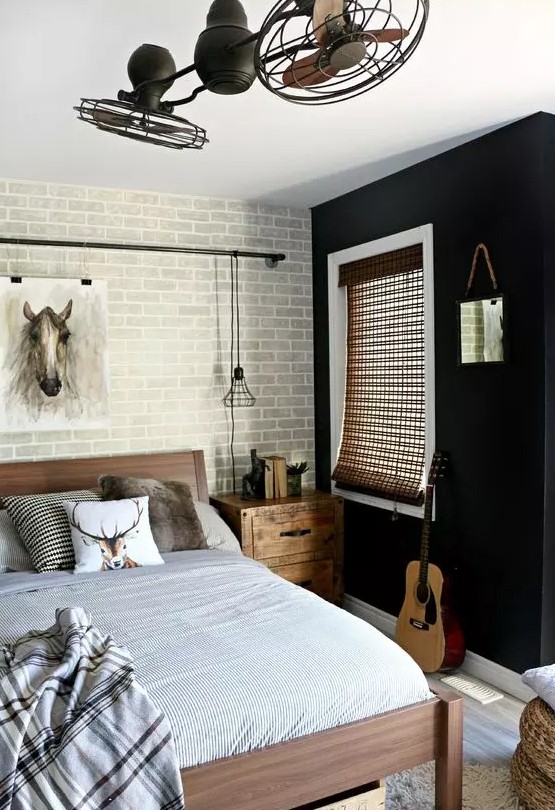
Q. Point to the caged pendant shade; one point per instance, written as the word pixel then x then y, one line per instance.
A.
pixel 239 395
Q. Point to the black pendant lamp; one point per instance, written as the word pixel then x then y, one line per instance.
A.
pixel 238 395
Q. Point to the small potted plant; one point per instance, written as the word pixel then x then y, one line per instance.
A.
pixel 294 473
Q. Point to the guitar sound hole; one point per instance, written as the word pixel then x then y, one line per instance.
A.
pixel 422 593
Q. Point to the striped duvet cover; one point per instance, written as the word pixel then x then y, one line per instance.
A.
pixel 235 656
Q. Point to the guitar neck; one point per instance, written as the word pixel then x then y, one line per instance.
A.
pixel 425 541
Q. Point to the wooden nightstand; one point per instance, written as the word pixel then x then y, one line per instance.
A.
pixel 299 538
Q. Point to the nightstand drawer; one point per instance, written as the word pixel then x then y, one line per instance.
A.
pixel 316 576
pixel 278 534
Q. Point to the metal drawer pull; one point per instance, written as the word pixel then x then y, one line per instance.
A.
pixel 297 533
pixel 306 583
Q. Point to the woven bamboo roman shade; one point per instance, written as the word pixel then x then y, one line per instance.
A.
pixel 383 439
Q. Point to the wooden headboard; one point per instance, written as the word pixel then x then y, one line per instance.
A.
pixel 26 477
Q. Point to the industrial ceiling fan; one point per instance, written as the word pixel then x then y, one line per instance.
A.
pixel 307 52
pixel 342 45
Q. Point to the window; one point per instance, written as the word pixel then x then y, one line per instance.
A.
pixel 382 364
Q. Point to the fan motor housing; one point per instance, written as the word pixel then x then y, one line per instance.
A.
pixel 146 63
pixel 222 69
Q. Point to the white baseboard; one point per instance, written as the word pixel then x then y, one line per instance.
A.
pixel 475 665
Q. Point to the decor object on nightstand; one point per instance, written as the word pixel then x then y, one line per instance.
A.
pixel 300 539
pixel 294 477
pixel 275 477
pixel 482 322
pixel 253 481
pixel 280 476
pixel 268 491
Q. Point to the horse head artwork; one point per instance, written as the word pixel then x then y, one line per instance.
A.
pixel 48 337
pixel 42 365
pixel 113 546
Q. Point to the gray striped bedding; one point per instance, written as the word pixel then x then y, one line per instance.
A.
pixel 235 656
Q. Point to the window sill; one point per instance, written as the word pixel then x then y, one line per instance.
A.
pixel 379 503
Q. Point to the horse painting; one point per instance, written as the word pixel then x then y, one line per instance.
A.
pixel 42 364
pixel 46 338
pixel 53 355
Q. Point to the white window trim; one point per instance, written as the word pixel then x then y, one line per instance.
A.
pixel 337 310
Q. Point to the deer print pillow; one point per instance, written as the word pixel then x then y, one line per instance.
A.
pixel 111 535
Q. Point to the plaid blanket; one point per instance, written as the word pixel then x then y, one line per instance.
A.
pixel 76 730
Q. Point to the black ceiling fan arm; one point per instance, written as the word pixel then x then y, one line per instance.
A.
pixel 178 102
pixel 177 75
pixel 283 52
pixel 242 42
pixel 253 37
pixel 131 96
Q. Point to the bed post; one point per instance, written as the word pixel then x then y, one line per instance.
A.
pixel 449 758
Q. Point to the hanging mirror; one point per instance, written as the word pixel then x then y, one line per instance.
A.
pixel 482 322
pixel 482 332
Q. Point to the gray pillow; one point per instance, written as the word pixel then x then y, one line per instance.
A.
pixel 173 518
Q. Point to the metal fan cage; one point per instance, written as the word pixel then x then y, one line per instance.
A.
pixel 159 128
pixel 287 35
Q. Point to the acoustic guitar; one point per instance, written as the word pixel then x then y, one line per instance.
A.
pixel 420 629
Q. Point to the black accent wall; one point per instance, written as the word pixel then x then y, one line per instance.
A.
pixel 495 525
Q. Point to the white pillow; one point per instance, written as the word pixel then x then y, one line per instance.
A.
pixel 13 554
pixel 110 535
pixel 217 532
pixel 542 681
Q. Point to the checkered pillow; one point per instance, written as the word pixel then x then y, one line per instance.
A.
pixel 43 526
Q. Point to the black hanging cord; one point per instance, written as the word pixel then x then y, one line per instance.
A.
pixel 233 257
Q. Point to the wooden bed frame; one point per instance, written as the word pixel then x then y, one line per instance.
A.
pixel 301 771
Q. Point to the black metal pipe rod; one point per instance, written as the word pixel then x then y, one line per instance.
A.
pixel 274 258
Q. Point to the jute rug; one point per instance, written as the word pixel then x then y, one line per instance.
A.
pixel 484 788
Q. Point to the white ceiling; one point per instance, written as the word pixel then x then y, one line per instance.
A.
pixel 480 64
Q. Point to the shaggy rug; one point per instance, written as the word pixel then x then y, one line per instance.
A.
pixel 484 788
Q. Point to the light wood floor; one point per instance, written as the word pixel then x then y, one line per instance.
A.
pixel 491 731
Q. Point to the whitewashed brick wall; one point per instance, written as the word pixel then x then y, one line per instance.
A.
pixel 169 320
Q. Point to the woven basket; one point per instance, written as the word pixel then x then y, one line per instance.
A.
pixel 534 788
pixel 537 736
